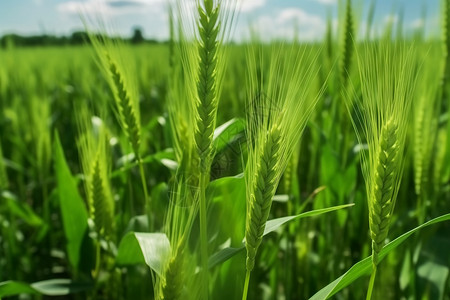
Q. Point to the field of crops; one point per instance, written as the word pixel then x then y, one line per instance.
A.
pixel 204 169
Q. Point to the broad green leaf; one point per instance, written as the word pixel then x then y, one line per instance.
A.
pixel 137 223
pixel 52 287
pixel 271 225
pixel 225 133
pixel 224 255
pixel 59 287
pixel 437 275
pixel 11 288
pixel 364 267
pixel 73 209
pixel 150 248
pixel 227 198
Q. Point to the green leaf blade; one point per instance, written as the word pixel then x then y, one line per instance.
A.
pixel 364 267
pixel 73 209
pixel 152 249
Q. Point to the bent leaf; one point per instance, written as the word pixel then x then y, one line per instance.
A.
pixel 271 225
pixel 52 287
pixel 364 267
pixel 152 249
pixel 274 224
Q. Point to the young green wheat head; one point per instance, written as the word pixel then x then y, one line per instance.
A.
pixel 387 74
pixel 202 47
pixel 93 147
pixel 122 80
pixel 279 105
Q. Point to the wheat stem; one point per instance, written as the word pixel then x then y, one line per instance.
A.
pixel 147 203
pixel 247 280
pixel 371 282
pixel 206 114
pixel 203 234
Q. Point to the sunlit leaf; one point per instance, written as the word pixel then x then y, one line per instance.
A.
pixel 152 249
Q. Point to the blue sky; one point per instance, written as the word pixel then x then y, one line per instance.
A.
pixel 272 17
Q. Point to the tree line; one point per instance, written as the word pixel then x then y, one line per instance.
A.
pixel 76 38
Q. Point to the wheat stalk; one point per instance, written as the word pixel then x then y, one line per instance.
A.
pixel 122 82
pixel 381 119
pixel 206 114
pixel 278 109
pixel 210 30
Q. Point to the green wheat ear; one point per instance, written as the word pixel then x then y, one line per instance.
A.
pixel 119 73
pixel 207 86
pixel 93 143
pixel 180 267
pixel 210 30
pixel 182 85
pixel 346 44
pixel 279 107
pixel 126 106
pixel 381 201
pixel 121 78
pixel 265 184
pixel 174 275
pixel 381 119
pixel 101 203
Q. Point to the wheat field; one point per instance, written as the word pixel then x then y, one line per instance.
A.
pixel 204 168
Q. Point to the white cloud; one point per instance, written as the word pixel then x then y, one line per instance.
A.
pixel 112 7
pixel 327 2
pixel 251 5
pixel 417 24
pixel 118 16
pixel 390 19
pixel 283 25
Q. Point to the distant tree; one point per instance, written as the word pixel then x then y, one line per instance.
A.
pixel 137 36
pixel 78 38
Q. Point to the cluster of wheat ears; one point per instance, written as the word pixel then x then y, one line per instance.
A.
pixel 275 124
